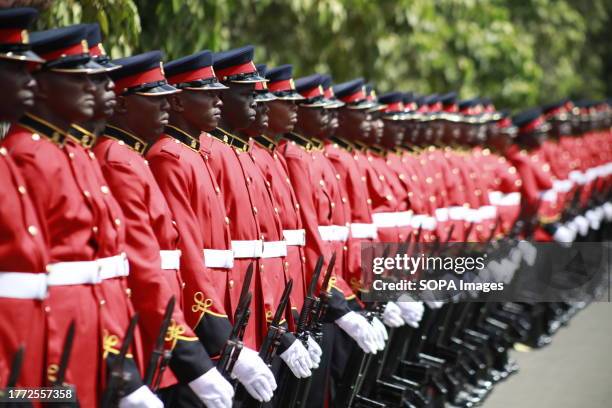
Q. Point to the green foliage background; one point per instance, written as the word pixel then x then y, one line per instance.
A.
pixel 519 52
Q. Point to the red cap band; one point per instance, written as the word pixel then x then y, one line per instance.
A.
pixel 96 51
pixel 555 111
pixel 451 108
pixel 280 86
pixel 394 107
pixel 504 123
pixel 329 93
pixel 75 49
pixel 436 107
pixel 246 68
pixel 313 92
pixel 190 76
pixel 355 97
pixel 533 125
pixel 260 86
pixel 13 36
pixel 152 75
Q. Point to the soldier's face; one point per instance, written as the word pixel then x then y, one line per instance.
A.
pixel 147 115
pixel 356 123
pixel 260 124
pixel 393 132
pixel 200 108
pixel 313 120
pixel 69 95
pixel 104 96
pixel 18 87
pixel 332 125
pixel 238 109
pixel 282 116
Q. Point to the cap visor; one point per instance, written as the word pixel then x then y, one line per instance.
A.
pixel 208 87
pixel 317 104
pixel 264 97
pixel 89 67
pixel 160 90
pixel 292 96
pixel 362 105
pixel 253 79
pixel 25 56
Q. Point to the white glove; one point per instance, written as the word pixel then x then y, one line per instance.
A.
pixel 496 270
pixel 315 352
pixel 143 397
pixel 434 304
pixel 392 316
pixel 412 312
pixel 529 252
pixel 360 330
pixel 297 359
pixel 564 235
pixel 607 207
pixel 582 223
pixel 515 256
pixel 572 226
pixel 255 375
pixel 594 220
pixel 508 269
pixel 213 390
pixel 381 332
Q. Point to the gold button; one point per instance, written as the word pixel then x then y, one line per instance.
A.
pixel 71 155
pixel 338 176
pixel 86 193
pixel 104 190
pixel 432 198
pixel 254 210
pixel 231 283
pixel 546 167
pixel 128 292
pixel 32 230
pixel 121 142
pixel 261 267
pixel 389 197
pixel 183 285
pixel 22 190
pixel 429 180
pixel 321 183
pixel 363 178
pixel 117 222
pixel 369 200
pixel 345 248
pixel 47 309
pixel 276 210
pixel 381 177
pixel 94 229
pixel 344 199
pixel 227 220
pixel 455 171
pixel 288 181
pixel 3 151
pixel 286 264
pixel 35 136
pixel 92 156
pixel 518 183
pixel 297 206
pixel 333 205
pixel 102 302
pixel 218 190
pixel 512 170
pixel 414 178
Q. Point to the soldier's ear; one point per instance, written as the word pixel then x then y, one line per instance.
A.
pixel 176 103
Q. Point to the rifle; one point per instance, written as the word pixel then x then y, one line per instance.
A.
pixel 268 347
pixel 118 376
pixel 233 346
pixel 314 327
pixel 292 385
pixel 572 208
pixel 159 356
pixel 65 357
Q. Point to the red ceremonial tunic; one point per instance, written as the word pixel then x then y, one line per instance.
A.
pixel 23 249
pixel 84 223
pixel 149 230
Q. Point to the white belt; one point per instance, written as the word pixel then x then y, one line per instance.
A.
pixel 334 232
pixel 274 249
pixel 457 213
pixel 295 237
pixel 426 222
pixel 218 258
pixel 385 220
pixel 362 230
pixel 487 212
pixel 88 272
pixel 247 249
pixel 21 285
pixel 403 218
pixel 170 259
pixel 442 214
pixel 562 186
pixel 548 195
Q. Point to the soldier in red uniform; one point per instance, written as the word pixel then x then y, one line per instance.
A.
pixel 152 236
pixel 85 224
pixel 24 253
pixel 181 164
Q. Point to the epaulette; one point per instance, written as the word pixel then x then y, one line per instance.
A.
pixel 230 139
pixel 44 128
pixel 126 138
pixel 183 137
pixel 82 136
pixel 265 142
pixel 345 144
pixel 300 140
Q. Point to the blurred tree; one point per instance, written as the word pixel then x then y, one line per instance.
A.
pixel 519 52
